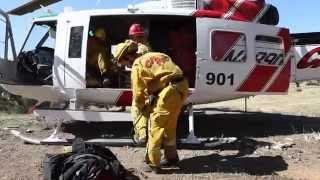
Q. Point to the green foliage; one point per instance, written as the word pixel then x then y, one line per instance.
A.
pixel 14 104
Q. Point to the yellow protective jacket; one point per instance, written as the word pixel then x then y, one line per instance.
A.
pixel 151 73
pixel 143 48
pixel 98 57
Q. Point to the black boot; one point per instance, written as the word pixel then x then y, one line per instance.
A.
pixel 169 163
pixel 154 169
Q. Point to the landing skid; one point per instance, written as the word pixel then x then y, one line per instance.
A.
pixel 92 116
pixel 54 137
pixel 51 140
pixel 54 140
pixel 25 138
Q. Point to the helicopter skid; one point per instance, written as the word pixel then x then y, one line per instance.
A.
pixel 94 116
pixel 55 139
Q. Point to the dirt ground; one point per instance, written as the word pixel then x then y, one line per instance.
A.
pixel 278 137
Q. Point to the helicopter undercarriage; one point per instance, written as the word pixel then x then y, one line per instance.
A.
pixel 60 116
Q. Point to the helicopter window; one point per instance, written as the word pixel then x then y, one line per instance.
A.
pixel 306 38
pixel 228 46
pixel 269 50
pixel 39 37
pixel 75 45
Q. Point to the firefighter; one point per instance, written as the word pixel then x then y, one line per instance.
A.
pixel 137 34
pixel 99 65
pixel 154 76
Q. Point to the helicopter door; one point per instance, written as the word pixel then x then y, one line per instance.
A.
pixel 70 57
pixel 241 58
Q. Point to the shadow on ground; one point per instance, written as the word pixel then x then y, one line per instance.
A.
pixel 230 123
pixel 238 163
pixel 262 165
pixel 212 122
pixel 217 123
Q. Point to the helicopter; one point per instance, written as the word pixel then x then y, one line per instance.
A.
pixel 224 52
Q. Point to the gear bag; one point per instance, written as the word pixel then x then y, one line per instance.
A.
pixel 85 162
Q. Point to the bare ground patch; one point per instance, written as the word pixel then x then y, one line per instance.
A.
pixel 277 139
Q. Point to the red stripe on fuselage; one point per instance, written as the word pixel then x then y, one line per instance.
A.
pixel 285 34
pixel 281 83
pixel 125 99
pixel 258 78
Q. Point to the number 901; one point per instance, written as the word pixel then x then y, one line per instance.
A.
pixel 219 79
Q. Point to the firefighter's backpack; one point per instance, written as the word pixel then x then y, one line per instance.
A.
pixel 85 162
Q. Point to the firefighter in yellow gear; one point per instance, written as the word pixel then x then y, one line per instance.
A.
pixel 140 120
pixel 138 35
pixel 98 58
pixel 155 75
pixel 143 48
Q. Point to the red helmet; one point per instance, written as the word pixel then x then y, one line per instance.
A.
pixel 136 30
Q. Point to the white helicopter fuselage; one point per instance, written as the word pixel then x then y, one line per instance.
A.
pixel 233 59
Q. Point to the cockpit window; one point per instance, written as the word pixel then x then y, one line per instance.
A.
pixel 40 35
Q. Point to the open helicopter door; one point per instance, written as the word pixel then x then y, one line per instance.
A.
pixel 239 58
pixel 70 54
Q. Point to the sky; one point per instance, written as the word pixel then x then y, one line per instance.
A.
pixel 297 15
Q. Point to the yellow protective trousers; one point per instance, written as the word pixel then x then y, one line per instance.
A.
pixel 140 119
pixel 163 122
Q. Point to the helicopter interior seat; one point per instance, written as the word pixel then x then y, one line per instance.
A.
pixel 35 67
pixel 247 11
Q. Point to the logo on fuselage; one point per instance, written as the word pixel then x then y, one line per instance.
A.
pixel 308 61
